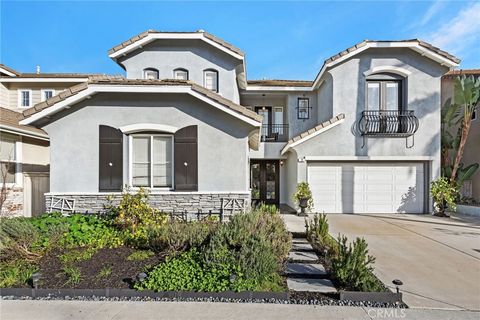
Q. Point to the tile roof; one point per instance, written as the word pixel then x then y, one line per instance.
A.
pixel 119 80
pixel 9 69
pixel 311 131
pixel 460 72
pixel 420 42
pixel 148 32
pixel 57 75
pixel 11 119
pixel 280 83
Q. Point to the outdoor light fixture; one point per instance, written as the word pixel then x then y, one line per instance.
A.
pixel 233 278
pixel 397 284
pixel 36 279
pixel 141 276
pixel 281 162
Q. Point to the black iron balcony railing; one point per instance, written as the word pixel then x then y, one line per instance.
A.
pixel 274 133
pixel 388 123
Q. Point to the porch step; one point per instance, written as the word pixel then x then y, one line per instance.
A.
pixel 307 256
pixel 302 246
pixel 311 285
pixel 305 269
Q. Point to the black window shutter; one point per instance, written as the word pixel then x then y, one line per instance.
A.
pixel 186 159
pixel 110 159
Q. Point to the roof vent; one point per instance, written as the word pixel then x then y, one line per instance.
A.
pixel 200 30
pixel 38 69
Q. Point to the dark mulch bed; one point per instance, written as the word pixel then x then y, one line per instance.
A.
pixel 115 259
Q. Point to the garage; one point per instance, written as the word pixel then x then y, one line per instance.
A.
pixel 367 187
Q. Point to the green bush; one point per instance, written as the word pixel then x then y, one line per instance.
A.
pixel 16 273
pixel 352 266
pixel 17 238
pixel 317 234
pixel 444 194
pixel 303 192
pixel 267 208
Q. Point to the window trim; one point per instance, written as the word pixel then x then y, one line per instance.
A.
pixel 298 108
pixel 19 93
pixel 183 70
pixel 150 69
pixel 130 160
pixel 17 160
pixel 42 93
pixel 205 79
pixel 382 79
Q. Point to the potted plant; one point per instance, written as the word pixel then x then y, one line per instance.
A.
pixel 444 194
pixel 303 197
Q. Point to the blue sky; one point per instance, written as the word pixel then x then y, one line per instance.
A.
pixel 282 40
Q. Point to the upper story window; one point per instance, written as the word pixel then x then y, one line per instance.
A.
pixel 150 73
pixel 181 74
pixel 152 159
pixel 47 94
pixel 384 92
pixel 210 79
pixel 24 98
pixel 303 108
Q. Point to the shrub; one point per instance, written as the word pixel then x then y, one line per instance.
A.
pixel 267 208
pixel 17 236
pixel 134 214
pixel 303 192
pixel 257 242
pixel 77 255
pixel 444 193
pixel 73 274
pixel 317 234
pixel 15 273
pixel 352 267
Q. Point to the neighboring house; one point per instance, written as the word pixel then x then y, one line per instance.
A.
pixel 472 148
pixel 186 124
pixel 24 150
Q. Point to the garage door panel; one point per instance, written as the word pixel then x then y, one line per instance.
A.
pixel 367 187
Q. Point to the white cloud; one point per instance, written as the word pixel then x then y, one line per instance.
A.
pixel 430 13
pixel 459 33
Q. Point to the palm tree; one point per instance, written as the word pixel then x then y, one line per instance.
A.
pixel 466 98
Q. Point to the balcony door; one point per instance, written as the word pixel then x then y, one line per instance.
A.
pixel 273 129
pixel 264 181
pixel 384 99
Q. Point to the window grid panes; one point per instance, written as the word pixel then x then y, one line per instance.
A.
pixel 25 98
pixel 150 74
pixel 152 161
pixel 211 80
pixel 47 94
pixel 303 108
pixel 181 74
pixel 384 95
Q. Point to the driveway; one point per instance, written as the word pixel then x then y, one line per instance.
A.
pixel 438 259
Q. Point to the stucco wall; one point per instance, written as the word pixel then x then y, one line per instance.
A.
pixel 222 139
pixel 193 55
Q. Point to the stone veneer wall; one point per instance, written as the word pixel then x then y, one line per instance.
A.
pixel 13 205
pixel 168 202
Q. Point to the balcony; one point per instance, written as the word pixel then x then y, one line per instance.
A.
pixel 274 133
pixel 388 123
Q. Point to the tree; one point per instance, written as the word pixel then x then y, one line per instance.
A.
pixel 466 98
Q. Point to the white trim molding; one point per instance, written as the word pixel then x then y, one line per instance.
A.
pixel 21 132
pixel 391 69
pixel 8 73
pixel 42 93
pixel 19 97
pixel 368 158
pixel 33 80
pixel 139 127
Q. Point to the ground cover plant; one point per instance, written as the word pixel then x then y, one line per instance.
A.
pixel 110 251
pixel 349 263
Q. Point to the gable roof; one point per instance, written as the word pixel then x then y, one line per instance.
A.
pixel 151 35
pixel 306 135
pixel 112 83
pixel 418 45
pixel 9 122
pixel 8 71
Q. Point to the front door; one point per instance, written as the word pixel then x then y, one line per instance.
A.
pixel 264 181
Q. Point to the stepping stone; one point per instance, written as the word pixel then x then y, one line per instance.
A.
pixel 302 246
pixel 299 240
pixel 307 269
pixel 311 285
pixel 302 256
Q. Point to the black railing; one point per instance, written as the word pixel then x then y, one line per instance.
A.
pixel 274 133
pixel 388 123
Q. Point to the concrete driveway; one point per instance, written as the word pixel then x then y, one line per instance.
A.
pixel 438 259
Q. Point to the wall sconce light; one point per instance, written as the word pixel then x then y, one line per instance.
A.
pixel 281 162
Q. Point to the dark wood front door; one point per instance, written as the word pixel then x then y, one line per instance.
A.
pixel 264 181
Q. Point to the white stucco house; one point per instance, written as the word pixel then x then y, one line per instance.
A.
pixel 186 123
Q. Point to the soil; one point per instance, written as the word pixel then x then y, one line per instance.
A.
pixel 123 271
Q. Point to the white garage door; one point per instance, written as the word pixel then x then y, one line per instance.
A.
pixel 367 187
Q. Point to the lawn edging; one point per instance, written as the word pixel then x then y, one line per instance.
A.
pixel 129 293
pixel 381 297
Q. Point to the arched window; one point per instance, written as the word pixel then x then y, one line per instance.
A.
pixel 150 73
pixel 210 79
pixel 384 92
pixel 180 73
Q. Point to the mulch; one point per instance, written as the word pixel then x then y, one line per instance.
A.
pixel 123 271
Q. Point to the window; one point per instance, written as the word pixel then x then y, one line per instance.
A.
pixel 150 73
pixel 384 95
pixel 47 94
pixel 303 108
pixel 152 158
pixel 7 159
pixel 24 98
pixel 210 80
pixel 181 74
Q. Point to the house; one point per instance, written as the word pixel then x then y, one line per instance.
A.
pixel 186 123
pixel 24 149
pixel 471 154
